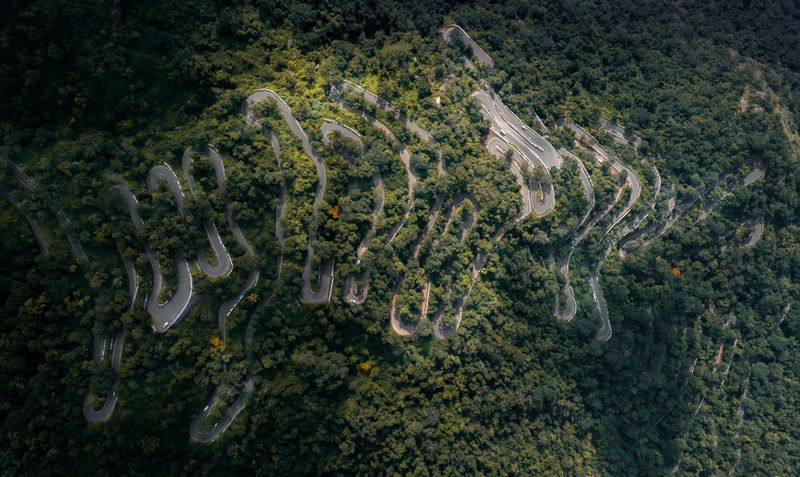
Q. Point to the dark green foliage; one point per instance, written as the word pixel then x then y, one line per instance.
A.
pixel 96 93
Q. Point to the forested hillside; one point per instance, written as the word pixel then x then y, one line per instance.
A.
pixel 418 238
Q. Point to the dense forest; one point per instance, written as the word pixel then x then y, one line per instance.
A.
pixel 362 283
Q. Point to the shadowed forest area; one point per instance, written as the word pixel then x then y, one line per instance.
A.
pixel 701 375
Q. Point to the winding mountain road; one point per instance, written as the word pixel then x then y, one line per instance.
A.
pixel 439 331
pixel 280 213
pixel 568 311
pixel 405 155
pixel 498 148
pixel 101 342
pixel 227 307
pixel 32 222
pixel 224 264
pixel 586 181
pixel 101 347
pixel 448 31
pixel 629 228
pixel 163 315
pixel 133 278
pixel 604 332
pixel 374 99
pixel 757 173
pixel 620 134
pixel 228 415
pixel 325 278
pixel 534 149
pixel 754 238
pixel 356 289
pixel 404 329
pixel 631 179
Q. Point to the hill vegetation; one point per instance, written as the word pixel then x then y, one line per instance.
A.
pixel 700 377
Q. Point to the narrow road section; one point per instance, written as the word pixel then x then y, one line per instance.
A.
pixel 32 221
pixel 224 264
pixel 163 315
pixel 405 155
pixel 325 277
pixel 536 151
pixel 356 289
pixel 451 31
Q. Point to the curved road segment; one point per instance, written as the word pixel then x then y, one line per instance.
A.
pixel 620 134
pixel 604 333
pixel 164 315
pixel 498 148
pixel 32 221
pixel 234 409
pixel 325 279
pixel 252 277
pixel 403 329
pixel 400 328
pixel 133 278
pixel 567 312
pixel 439 331
pixel 374 99
pixel 328 127
pixel 102 347
pixel 758 232
pixel 227 307
pixel 101 343
pixel 405 156
pixel 586 181
pixel 66 225
pixel 280 213
pixel 632 180
pixel 448 31
pixel 758 172
pixel 227 416
pixel 534 149
pixel 224 264
pixel 356 290
pixel 628 231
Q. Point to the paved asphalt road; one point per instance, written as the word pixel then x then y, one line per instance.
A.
pixel 356 289
pixel 227 416
pixel 164 315
pixel 632 180
pixel 449 30
pixel 325 275
pixel 405 155
pixel 224 264
pixel 32 221
pixel 102 344
pixel 498 147
pixel 535 150
pixel 101 348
